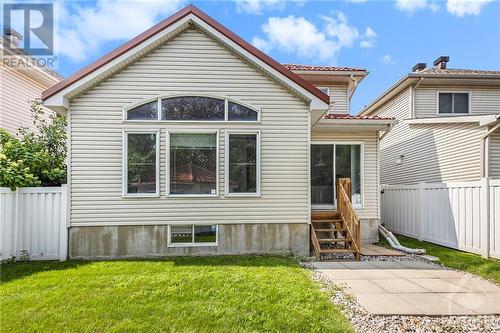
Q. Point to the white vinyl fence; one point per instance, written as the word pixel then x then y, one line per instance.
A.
pixel 33 221
pixel 464 216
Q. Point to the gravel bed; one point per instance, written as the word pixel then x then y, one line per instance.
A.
pixel 363 322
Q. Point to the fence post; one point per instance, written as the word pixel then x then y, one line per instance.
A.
pixel 63 229
pixel 421 211
pixel 485 216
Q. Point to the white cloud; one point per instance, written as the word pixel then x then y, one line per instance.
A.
pixel 357 1
pixel 387 60
pixel 297 35
pixel 259 6
pixel 411 6
pixel 368 38
pixel 83 29
pixel 465 7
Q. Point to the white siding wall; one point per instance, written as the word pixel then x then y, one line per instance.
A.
pixel 190 63
pixel 339 100
pixel 483 100
pixel 370 172
pixel 15 91
pixel 495 154
pixel 431 152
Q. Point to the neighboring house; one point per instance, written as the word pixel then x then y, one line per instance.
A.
pixel 20 84
pixel 448 129
pixel 189 140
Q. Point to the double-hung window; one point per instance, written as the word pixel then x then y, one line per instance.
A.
pixel 242 163
pixel 453 103
pixel 141 163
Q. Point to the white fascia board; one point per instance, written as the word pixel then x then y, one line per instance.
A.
pixel 481 120
pixel 362 122
pixel 57 103
pixel 315 102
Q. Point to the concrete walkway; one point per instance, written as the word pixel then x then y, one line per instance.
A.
pixel 413 288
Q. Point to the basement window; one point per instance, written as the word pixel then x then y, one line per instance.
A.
pixel 192 235
pixel 453 103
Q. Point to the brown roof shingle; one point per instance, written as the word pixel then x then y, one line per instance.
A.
pixel 457 71
pixel 299 67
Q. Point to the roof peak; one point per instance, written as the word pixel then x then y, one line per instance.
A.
pixel 272 64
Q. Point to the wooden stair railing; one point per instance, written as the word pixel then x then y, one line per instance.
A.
pixel 337 232
pixel 349 216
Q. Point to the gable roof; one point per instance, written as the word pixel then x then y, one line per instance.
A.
pixel 176 18
pixel 437 76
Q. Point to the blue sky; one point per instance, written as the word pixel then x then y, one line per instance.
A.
pixel 385 37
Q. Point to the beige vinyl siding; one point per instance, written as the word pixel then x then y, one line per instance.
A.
pixel 16 89
pixel 339 99
pixel 483 100
pixel 495 154
pixel 191 63
pixel 431 153
pixel 370 167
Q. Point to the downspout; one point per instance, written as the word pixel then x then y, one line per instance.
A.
pixel 484 166
pixel 387 131
pixel 351 91
pixel 412 111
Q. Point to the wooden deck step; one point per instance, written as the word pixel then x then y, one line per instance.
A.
pixel 330 229
pixel 334 240
pixel 337 251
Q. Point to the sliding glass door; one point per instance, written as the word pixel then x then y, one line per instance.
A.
pixel 330 162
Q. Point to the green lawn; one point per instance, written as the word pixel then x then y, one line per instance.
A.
pixel 468 262
pixel 211 294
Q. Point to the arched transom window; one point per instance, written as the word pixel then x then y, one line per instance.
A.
pixel 192 108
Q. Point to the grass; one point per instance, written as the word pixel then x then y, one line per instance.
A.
pixel 210 294
pixel 468 262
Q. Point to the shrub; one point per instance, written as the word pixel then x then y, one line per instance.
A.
pixel 34 158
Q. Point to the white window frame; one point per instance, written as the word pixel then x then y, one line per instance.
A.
pixel 469 107
pixel 125 193
pixel 362 172
pixel 141 102
pixel 159 120
pixel 193 244
pixel 167 162
pixel 226 163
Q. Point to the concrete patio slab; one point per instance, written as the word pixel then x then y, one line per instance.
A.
pixel 413 288
pixel 375 250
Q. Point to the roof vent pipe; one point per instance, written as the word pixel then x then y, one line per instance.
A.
pixel 419 67
pixel 441 62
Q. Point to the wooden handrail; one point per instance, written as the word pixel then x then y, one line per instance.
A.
pixel 315 242
pixel 349 216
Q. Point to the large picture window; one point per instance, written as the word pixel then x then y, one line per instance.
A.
pixel 193 164
pixel 141 163
pixel 242 163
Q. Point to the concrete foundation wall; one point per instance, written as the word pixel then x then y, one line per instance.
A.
pixel 369 231
pixel 152 241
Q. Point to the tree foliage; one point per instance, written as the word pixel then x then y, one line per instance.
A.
pixel 34 157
